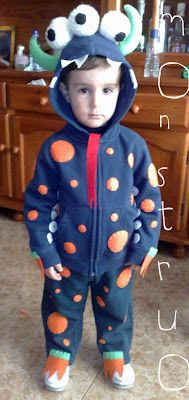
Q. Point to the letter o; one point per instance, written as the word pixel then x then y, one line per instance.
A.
pixel 159 369
pixel 159 83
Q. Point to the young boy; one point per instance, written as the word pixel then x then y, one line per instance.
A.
pixel 92 209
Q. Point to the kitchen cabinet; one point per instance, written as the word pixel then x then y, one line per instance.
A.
pixel 26 120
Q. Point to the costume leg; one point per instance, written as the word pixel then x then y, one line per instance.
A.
pixel 112 305
pixel 62 312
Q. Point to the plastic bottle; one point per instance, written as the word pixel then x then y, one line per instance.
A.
pixel 178 40
pixel 187 28
pixel 151 68
pixel 168 27
pixel 33 66
pixel 20 60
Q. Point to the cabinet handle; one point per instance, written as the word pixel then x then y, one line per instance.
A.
pixel 135 109
pixel 16 150
pixel 44 101
pixel 2 147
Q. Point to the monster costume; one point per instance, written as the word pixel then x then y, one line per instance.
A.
pixel 93 202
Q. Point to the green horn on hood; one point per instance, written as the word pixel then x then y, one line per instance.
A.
pixel 45 60
pixel 131 42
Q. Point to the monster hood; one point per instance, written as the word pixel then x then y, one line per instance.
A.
pixel 76 52
pixel 82 34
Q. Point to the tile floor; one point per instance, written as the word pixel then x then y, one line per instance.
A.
pixel 22 350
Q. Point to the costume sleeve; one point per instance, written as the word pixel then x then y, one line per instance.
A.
pixel 146 194
pixel 41 209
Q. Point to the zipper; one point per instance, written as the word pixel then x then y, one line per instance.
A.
pixel 92 165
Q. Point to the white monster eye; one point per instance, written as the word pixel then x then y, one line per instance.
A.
pixel 84 20
pixel 58 33
pixel 115 26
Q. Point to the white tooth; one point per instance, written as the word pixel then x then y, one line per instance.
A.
pixel 80 61
pixel 65 63
pixel 115 64
pixel 133 78
pixel 53 81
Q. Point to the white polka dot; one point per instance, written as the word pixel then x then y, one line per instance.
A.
pixel 50 237
pixel 135 191
pixel 55 207
pixel 136 238
pixel 137 224
pixel 53 214
pixel 138 210
pixel 53 226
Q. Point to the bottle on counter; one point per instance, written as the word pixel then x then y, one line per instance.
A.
pixel 21 60
pixel 151 68
pixel 168 27
pixel 177 39
pixel 186 26
pixel 162 28
pixel 33 66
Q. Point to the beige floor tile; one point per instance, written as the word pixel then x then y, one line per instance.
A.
pixel 22 343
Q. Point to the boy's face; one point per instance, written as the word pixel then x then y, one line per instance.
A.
pixel 93 94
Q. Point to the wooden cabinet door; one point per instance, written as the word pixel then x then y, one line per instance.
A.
pixel 169 150
pixel 5 157
pixel 29 133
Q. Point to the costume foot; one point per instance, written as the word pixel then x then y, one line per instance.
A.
pixel 56 371
pixel 54 384
pixel 126 380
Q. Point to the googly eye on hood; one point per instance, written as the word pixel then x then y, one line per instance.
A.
pixel 58 33
pixel 119 23
pixel 84 20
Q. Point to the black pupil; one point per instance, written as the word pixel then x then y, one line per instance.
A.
pixel 120 36
pixel 80 18
pixel 51 35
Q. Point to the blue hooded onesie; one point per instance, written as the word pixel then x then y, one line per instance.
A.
pixel 92 206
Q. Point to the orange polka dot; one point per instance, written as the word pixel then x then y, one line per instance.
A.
pixel 132 199
pixel 117 241
pixel 109 151
pixel 42 189
pixel 69 247
pixel 131 160
pixel 124 277
pixel 109 328
pixel 57 323
pixel 57 291
pixel 152 175
pixel 100 301
pixel 74 183
pixel 62 151
pixel 154 224
pixel 66 273
pixel 112 184
pixel 82 228
pixel 147 205
pixel 66 342
pixel 77 298
pixel 114 217
pixel 105 288
pixel 102 341
pixel 32 215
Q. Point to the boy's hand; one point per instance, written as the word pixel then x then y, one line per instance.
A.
pixel 53 272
